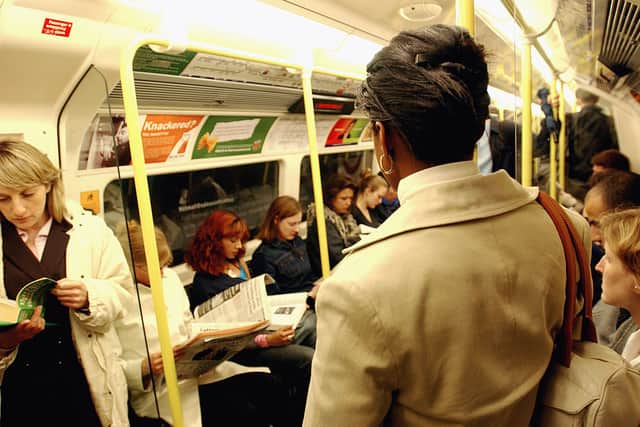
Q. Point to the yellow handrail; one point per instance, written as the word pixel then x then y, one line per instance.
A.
pixel 553 149
pixel 142 188
pixel 525 94
pixel 562 141
pixel 465 15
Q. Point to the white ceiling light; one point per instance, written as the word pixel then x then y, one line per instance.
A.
pixel 420 12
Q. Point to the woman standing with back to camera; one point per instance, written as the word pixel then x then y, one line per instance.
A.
pixel 441 317
pixel 77 349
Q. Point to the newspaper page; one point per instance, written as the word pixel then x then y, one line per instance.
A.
pixel 244 302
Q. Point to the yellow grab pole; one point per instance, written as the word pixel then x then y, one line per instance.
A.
pixel 525 94
pixel 146 222
pixel 562 144
pixel 315 170
pixel 465 15
pixel 465 18
pixel 553 149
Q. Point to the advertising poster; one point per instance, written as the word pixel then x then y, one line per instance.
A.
pixel 168 137
pixel 346 131
pixel 231 136
pixel 148 61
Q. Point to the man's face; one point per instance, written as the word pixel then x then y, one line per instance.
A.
pixel 594 207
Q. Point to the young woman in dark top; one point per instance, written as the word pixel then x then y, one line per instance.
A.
pixel 283 255
pixel 216 255
pixel 371 190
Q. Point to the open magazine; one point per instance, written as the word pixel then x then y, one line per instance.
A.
pixel 29 297
pixel 224 325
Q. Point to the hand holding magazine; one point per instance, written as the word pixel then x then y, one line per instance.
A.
pixel 224 325
pixel 30 296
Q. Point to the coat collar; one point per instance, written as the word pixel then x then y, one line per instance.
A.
pixel 450 194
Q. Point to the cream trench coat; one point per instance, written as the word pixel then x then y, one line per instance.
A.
pixel 95 256
pixel 444 316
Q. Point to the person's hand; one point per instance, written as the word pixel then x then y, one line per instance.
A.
pixel 71 293
pixel 152 364
pixel 314 291
pixel 283 336
pixel 24 330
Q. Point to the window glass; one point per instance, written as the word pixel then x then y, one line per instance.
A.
pixel 351 164
pixel 181 201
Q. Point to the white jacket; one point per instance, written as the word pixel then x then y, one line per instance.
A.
pixel 95 256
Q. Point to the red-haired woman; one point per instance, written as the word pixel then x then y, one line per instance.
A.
pixel 216 256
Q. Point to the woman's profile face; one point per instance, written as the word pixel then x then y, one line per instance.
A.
pixel 617 281
pixel 374 197
pixel 231 246
pixel 341 204
pixel 289 227
pixel 25 208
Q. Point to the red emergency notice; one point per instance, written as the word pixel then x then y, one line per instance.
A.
pixel 55 27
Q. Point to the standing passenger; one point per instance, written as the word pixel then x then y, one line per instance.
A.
pixel 78 347
pixel 342 229
pixel 442 316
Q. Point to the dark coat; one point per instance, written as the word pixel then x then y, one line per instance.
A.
pixel 287 262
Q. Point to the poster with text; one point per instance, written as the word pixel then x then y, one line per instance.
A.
pixel 231 136
pixel 169 137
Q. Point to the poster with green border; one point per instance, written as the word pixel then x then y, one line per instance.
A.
pixel 148 61
pixel 222 136
pixel 356 130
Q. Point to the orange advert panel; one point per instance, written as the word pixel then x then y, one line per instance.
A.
pixel 167 137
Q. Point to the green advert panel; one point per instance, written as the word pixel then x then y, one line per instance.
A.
pixel 231 136
pixel 161 63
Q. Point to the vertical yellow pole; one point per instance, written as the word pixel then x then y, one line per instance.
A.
pixel 501 114
pixel 146 222
pixel 465 15
pixel 465 18
pixel 525 94
pixel 315 169
pixel 562 145
pixel 553 149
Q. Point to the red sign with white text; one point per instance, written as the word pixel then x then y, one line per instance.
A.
pixel 55 27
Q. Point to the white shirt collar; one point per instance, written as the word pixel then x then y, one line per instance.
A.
pixel 447 172
pixel 44 231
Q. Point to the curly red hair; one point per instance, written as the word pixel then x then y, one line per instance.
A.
pixel 206 253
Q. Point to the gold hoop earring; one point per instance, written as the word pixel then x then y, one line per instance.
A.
pixel 386 171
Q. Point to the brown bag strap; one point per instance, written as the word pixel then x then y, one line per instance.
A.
pixel 573 249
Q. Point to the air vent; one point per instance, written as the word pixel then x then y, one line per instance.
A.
pixel 162 92
pixel 621 37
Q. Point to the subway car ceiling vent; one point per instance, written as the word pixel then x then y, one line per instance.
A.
pixel 621 38
pixel 155 91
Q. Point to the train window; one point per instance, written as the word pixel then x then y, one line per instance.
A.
pixel 181 201
pixel 351 163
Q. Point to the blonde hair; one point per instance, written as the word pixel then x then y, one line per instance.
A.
pixel 137 246
pixel 620 231
pixel 22 166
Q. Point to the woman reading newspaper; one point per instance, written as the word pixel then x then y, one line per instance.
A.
pixel 229 395
pixel 44 236
pixel 216 256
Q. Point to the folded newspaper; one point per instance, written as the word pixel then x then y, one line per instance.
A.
pixel 224 325
pixel 287 309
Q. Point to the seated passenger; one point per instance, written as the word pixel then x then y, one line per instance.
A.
pixel 371 190
pixel 65 372
pixel 229 394
pixel 620 269
pixel 216 255
pixel 283 255
pixel 342 229
pixel 610 159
